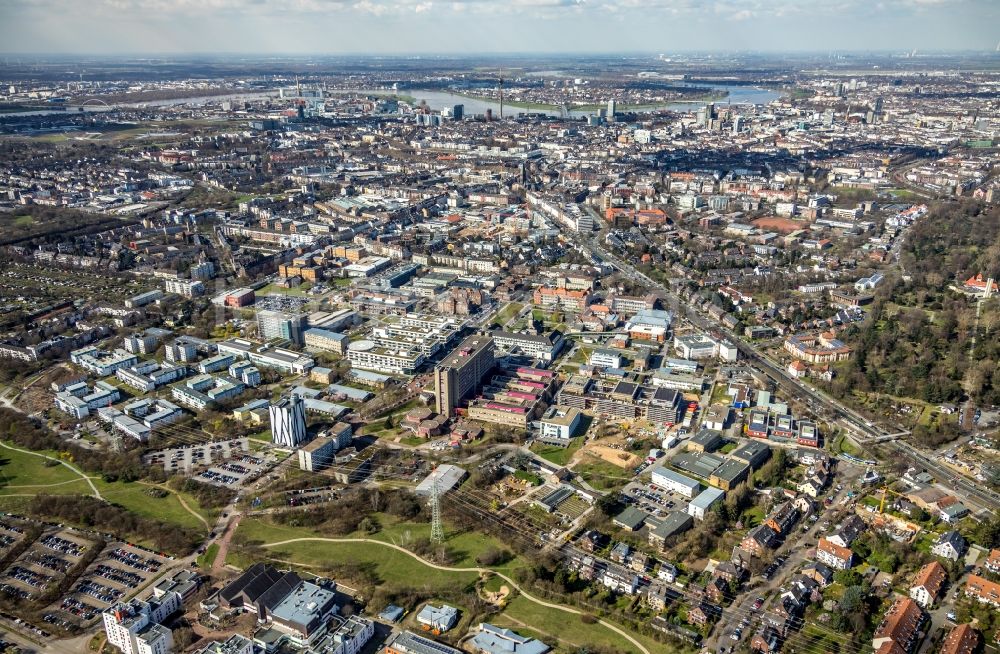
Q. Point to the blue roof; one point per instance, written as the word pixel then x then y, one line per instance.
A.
pixel 497 640
pixel 392 613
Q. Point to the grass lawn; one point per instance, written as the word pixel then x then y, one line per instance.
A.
pixel 208 558
pixel 842 445
pixel 136 498
pixel 568 628
pixel 392 567
pixel 753 516
pixel 510 310
pixel 27 473
pixel 298 291
pixel 465 546
pixel 555 454
pixel 600 474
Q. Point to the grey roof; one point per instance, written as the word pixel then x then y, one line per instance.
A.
pixel 497 640
pixel 708 497
pixel 631 518
pixel 674 523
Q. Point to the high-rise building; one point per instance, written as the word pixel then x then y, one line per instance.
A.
pixel 281 318
pixel 458 111
pixel 458 375
pixel 611 108
pixel 288 422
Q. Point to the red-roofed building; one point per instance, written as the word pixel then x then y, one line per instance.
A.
pixel 963 639
pixel 833 555
pixel 928 583
pixel 900 625
pixel 982 589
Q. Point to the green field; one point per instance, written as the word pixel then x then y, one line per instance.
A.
pixel 208 558
pixel 136 498
pixel 602 475
pixel 568 628
pixel 22 473
pixel 464 547
pixel 298 291
pixel 510 310
pixel 555 454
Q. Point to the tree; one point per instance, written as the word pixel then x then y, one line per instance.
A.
pixel 610 504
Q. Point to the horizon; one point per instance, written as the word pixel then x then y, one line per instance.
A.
pixel 483 28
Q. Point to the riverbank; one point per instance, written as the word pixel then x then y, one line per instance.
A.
pixel 717 96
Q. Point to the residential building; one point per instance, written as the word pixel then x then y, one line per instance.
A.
pixel 900 626
pixel 949 545
pixel 928 583
pixel 833 555
pixel 188 288
pixel 983 590
pixel 963 639
pixel 135 627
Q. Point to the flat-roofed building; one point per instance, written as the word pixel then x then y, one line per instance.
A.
pixel 559 424
pixel 407 642
pixel 675 482
pixel 538 346
pixel 704 501
pixel 326 340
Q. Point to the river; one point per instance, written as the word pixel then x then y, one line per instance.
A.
pixel 436 100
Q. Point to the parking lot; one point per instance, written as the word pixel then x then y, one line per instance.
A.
pixel 652 499
pixel 11 532
pixel 116 575
pixel 44 562
pixel 234 472
pixel 189 457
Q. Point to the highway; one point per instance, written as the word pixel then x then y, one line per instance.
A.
pixel 866 432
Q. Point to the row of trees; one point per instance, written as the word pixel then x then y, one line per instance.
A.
pixel 31 434
pixel 105 517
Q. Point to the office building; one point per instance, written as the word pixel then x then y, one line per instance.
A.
pixel 458 375
pixel 288 422
pixel 281 318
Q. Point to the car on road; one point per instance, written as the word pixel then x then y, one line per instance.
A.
pixel 757 603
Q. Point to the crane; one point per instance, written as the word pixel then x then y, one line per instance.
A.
pixel 885 491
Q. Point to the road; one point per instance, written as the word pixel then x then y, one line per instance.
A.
pixel 867 432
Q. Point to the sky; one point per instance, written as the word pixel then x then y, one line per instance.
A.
pixel 492 26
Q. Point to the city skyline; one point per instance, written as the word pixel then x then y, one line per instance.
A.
pixel 131 27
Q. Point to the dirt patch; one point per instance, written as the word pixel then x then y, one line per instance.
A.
pixel 783 225
pixel 616 457
pixel 499 597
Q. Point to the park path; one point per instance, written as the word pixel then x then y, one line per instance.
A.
pixel 97 493
pixel 184 504
pixel 446 568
